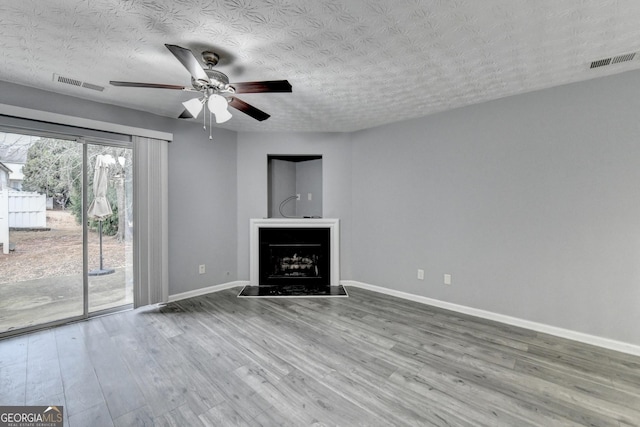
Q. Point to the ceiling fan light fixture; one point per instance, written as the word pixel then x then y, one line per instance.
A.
pixel 194 106
pixel 223 116
pixel 218 106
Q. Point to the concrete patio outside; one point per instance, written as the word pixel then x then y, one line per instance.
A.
pixel 39 301
pixel 41 281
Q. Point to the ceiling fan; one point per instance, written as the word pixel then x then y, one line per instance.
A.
pixel 216 91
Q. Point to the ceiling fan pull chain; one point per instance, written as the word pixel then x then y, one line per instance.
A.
pixel 210 126
pixel 204 117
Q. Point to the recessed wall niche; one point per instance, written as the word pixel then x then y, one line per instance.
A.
pixel 294 186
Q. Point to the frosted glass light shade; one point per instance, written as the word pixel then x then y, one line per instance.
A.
pixel 193 106
pixel 218 105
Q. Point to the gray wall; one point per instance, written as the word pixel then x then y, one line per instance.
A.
pixel 309 181
pixel 282 186
pixel 253 149
pixel 532 203
pixel 202 207
pixel 202 184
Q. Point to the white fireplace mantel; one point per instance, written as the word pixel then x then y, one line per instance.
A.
pixel 254 249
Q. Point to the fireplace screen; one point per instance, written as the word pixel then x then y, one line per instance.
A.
pixel 294 256
pixel 301 260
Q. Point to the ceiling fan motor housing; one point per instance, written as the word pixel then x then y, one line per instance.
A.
pixel 210 58
pixel 217 81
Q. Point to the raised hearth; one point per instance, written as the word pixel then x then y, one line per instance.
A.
pixel 293 291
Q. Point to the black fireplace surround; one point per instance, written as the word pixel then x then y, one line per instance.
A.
pixel 294 256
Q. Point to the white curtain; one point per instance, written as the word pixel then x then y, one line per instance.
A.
pixel 151 255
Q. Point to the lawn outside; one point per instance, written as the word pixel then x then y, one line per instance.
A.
pixel 58 251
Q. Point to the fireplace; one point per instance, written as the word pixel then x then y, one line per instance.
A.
pixel 294 251
pixel 294 256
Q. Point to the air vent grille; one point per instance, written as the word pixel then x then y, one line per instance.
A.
pixel 75 82
pixel 613 60
pixel 92 86
pixel 623 58
pixel 69 81
pixel 601 63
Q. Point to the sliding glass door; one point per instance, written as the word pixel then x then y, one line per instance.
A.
pixel 66 207
pixel 41 267
pixel 109 211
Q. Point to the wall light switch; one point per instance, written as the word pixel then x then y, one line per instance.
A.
pixel 447 279
pixel 297 196
pixel 420 274
pixel 308 196
pixel 201 269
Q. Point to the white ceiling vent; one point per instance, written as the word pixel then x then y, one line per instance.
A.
pixel 613 60
pixel 75 82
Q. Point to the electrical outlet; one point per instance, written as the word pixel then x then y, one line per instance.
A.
pixel 420 274
pixel 447 279
pixel 201 269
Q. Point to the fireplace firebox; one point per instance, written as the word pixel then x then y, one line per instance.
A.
pixel 294 256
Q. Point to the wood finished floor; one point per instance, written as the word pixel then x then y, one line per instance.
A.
pixel 366 360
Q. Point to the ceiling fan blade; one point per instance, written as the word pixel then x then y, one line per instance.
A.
pixel 266 86
pixel 186 115
pixel 250 110
pixel 186 58
pixel 149 85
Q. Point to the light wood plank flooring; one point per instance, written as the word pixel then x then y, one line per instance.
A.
pixel 366 360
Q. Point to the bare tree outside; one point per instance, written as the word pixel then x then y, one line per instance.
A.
pixel 13 147
pixel 52 167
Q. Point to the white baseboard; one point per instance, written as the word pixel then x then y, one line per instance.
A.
pixel 207 290
pixel 514 321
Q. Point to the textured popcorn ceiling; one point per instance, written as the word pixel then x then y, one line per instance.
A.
pixel 353 64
